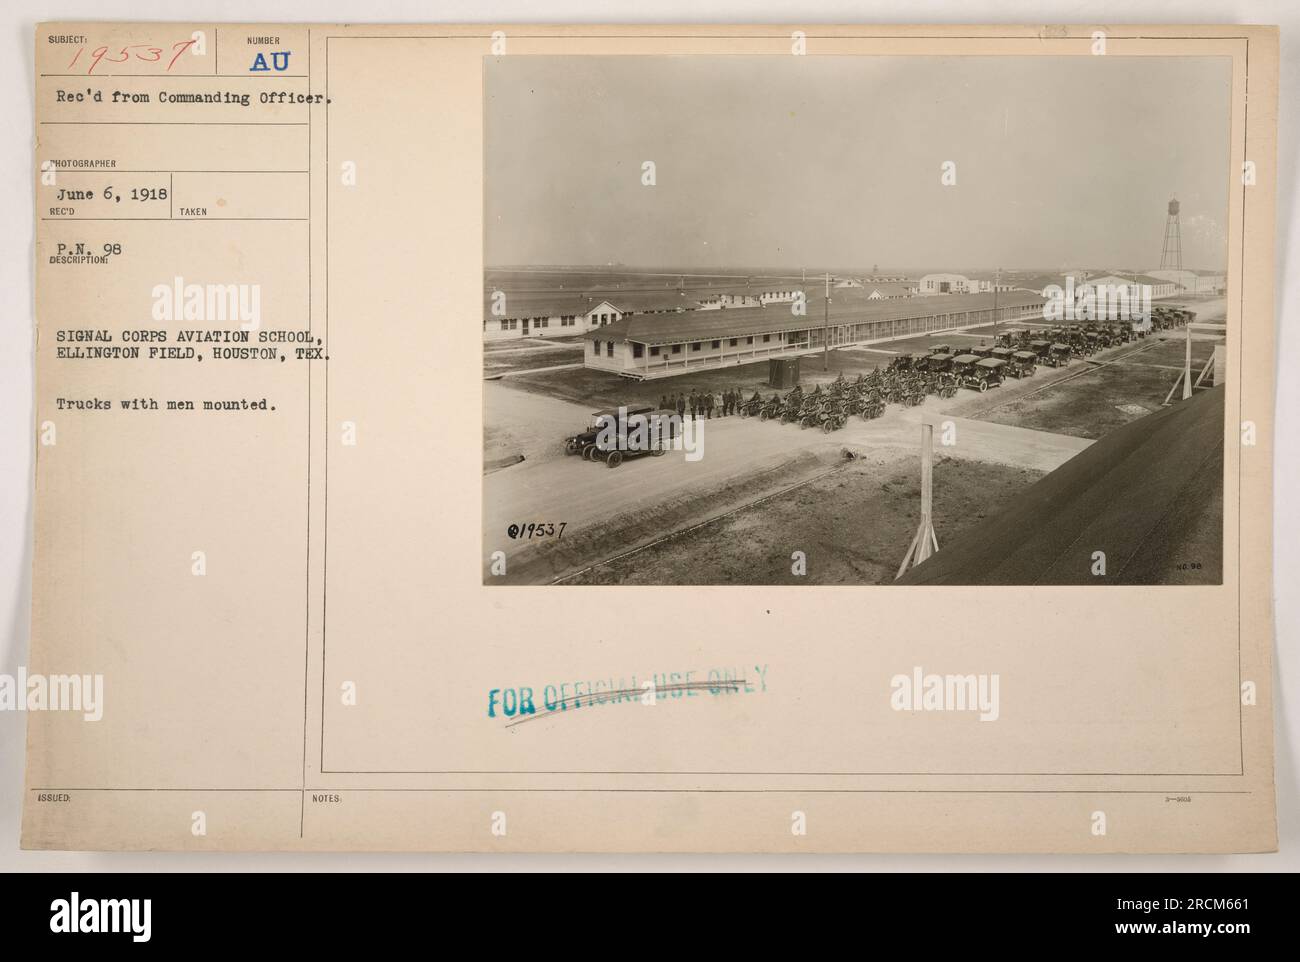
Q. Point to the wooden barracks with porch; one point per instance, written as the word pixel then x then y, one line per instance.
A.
pixel 646 346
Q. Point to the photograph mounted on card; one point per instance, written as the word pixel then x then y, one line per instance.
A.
pixel 867 444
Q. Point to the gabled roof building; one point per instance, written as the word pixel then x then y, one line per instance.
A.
pixel 644 347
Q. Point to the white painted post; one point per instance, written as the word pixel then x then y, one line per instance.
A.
pixel 924 542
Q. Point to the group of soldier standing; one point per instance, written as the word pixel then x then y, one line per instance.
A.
pixel 702 404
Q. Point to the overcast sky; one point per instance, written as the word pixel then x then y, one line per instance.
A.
pixel 836 161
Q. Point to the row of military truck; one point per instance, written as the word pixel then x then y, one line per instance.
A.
pixel 910 378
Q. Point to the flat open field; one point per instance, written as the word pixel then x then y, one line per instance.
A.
pixel 589 280
pixel 515 345
pixel 529 356
pixel 849 525
pixel 609 511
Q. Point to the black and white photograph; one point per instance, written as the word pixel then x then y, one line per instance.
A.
pixel 855 320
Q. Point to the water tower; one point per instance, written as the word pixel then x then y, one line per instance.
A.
pixel 1171 253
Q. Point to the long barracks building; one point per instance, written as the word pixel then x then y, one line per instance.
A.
pixel 665 345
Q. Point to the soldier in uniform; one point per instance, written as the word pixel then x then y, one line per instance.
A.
pixel 680 404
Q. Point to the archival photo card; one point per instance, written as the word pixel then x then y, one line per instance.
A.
pixel 867 444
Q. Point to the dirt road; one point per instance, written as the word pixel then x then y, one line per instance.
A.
pixel 519 423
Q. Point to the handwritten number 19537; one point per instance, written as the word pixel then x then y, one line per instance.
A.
pixel 143 52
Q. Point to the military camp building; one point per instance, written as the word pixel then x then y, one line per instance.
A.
pixel 664 345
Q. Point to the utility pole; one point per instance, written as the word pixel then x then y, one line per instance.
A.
pixel 997 282
pixel 826 327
